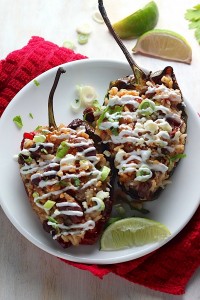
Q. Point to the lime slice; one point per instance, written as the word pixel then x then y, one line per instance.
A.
pixel 132 232
pixel 137 23
pixel 164 44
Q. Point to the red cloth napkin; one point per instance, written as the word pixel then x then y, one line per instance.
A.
pixel 167 269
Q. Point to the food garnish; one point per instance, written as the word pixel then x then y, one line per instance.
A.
pixel 67 178
pixel 86 96
pixel 164 44
pixel 132 232
pixel 18 121
pixel 36 82
pixel 138 23
pixel 143 123
pixel 69 45
pixel 96 16
pixel 83 31
pixel 193 16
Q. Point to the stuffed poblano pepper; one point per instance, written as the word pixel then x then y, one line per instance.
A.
pixel 67 179
pixel 143 121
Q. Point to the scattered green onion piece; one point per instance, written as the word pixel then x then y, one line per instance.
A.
pixel 147 107
pixel 75 105
pixel 31 115
pixel 35 195
pixel 69 45
pixel 36 82
pixel 97 17
pixel 39 138
pixel 50 219
pixel 177 156
pixel 96 104
pixel 38 128
pixel 104 173
pixel 49 204
pixel 28 160
pixel 62 150
pixel 102 117
pixel 117 109
pixel 87 94
pixel 44 151
pixel 83 38
pixel 143 174
pixel 18 121
pixel 63 183
pixel 114 131
pixel 77 181
pixel 84 29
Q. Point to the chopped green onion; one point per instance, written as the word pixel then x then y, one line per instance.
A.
pixel 86 94
pixel 143 174
pixel 84 29
pixel 104 173
pixel 31 115
pixel 114 131
pixel 97 17
pixel 75 105
pixel 147 107
pixel 36 82
pixel 69 45
pixel 100 120
pixel 49 204
pixel 28 159
pixel 64 183
pixel 96 104
pixel 76 181
pixel 62 150
pixel 44 151
pixel 35 195
pixel 83 38
pixel 116 110
pixel 18 121
pixel 39 138
pixel 38 127
pixel 177 156
pixel 50 219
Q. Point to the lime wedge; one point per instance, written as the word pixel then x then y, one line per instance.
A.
pixel 164 44
pixel 133 232
pixel 137 23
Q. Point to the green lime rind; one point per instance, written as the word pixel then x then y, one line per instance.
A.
pixel 138 23
pixel 133 232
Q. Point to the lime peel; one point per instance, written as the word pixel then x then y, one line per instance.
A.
pixel 133 232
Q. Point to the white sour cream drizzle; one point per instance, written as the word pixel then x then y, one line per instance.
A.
pixel 163 92
pixel 72 229
pixel 45 168
pixel 142 132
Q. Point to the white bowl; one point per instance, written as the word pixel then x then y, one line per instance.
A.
pixel 176 204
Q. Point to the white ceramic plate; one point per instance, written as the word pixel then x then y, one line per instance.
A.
pixel 175 206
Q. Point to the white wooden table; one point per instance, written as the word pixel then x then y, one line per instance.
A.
pixel 26 272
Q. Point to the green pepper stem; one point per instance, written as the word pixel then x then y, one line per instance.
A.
pixel 52 122
pixel 137 71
